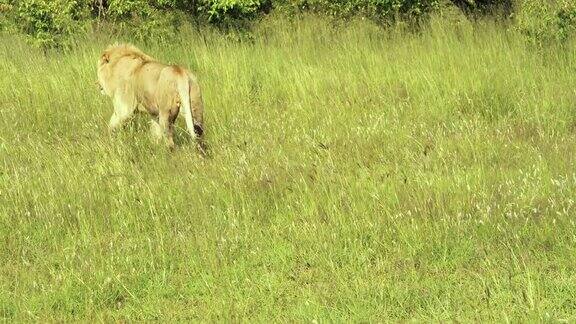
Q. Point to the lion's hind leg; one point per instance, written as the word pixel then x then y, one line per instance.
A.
pixel 124 108
pixel 166 122
pixel 168 106
pixel 155 129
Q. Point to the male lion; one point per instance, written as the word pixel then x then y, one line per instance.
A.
pixel 136 81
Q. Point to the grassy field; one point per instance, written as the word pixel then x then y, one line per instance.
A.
pixel 355 175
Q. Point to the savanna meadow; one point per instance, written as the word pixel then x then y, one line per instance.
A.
pixel 368 161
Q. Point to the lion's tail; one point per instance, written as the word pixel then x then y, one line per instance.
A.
pixel 192 105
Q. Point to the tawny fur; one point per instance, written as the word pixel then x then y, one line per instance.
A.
pixel 137 82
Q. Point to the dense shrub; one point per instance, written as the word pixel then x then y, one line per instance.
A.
pixel 478 8
pixel 214 11
pixel 381 11
pixel 6 19
pixel 50 23
pixel 143 19
pixel 228 11
pixel 566 21
pixel 545 21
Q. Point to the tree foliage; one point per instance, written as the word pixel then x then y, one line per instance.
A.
pixel 50 23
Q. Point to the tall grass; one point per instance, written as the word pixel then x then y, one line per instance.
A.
pixel 355 175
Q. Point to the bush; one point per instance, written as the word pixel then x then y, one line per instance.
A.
pixel 479 8
pixel 566 21
pixel 226 12
pixel 142 19
pixel 157 19
pixel 382 11
pixel 49 23
pixel 6 15
pixel 544 21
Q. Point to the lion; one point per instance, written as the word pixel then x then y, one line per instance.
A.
pixel 137 82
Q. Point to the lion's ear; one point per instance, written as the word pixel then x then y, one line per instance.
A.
pixel 105 58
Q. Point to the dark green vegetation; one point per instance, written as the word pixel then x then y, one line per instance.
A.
pixel 356 174
pixel 57 23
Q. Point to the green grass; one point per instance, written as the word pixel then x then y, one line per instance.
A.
pixel 356 175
